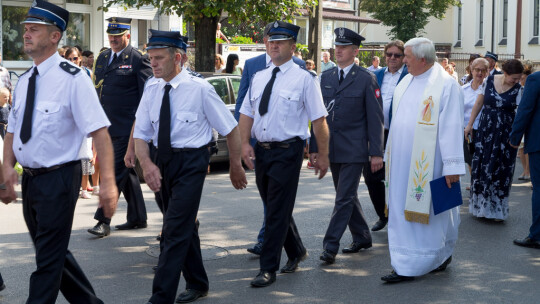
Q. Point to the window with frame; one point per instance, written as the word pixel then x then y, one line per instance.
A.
pixel 480 24
pixel 12 32
pixel 504 23
pixel 459 18
pixel 78 30
pixel 536 22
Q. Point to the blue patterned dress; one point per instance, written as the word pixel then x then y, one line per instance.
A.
pixel 494 159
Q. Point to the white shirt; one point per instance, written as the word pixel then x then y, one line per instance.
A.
pixel 469 99
pixel 66 110
pixel 117 55
pixel 195 110
pixel 373 69
pixel 388 86
pixel 345 70
pixel 296 98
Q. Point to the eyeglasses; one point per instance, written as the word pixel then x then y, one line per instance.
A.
pixel 476 70
pixel 395 55
pixel 73 59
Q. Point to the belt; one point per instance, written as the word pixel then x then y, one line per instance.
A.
pixel 210 144
pixel 39 171
pixel 278 144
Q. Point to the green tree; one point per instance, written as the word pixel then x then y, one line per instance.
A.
pixel 407 18
pixel 206 14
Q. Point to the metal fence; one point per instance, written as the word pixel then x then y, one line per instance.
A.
pixel 460 59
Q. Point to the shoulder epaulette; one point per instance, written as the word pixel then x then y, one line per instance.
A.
pixel 193 73
pixel 73 70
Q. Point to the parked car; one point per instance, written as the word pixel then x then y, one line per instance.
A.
pixel 226 86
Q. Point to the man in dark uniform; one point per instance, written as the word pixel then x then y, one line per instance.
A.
pixel 355 119
pixel 180 127
pixel 280 101
pixel 119 76
pixel 55 107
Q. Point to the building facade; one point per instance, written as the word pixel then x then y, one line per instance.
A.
pixel 86 27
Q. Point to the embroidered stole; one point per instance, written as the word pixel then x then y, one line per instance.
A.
pixel 418 199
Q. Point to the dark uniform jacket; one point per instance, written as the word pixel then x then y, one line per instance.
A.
pixel 120 87
pixel 355 118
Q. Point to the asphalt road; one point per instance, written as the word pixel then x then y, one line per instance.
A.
pixel 487 267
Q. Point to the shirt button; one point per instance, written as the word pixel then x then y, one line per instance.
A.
pixel 46 111
pixel 20 149
pixel 264 129
pixel 152 121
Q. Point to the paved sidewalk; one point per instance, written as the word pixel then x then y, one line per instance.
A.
pixel 487 267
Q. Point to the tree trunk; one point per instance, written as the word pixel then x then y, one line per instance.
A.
pixel 315 36
pixel 205 43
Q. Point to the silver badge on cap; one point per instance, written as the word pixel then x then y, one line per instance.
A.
pixel 276 24
pixel 34 4
pixel 341 32
pixel 149 34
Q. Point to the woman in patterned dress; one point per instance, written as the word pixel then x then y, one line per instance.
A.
pixel 494 159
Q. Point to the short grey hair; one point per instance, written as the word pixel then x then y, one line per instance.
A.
pixel 422 48
pixel 480 61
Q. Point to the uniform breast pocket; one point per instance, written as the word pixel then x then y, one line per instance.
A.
pixel 289 103
pixel 352 96
pixel 47 113
pixel 186 122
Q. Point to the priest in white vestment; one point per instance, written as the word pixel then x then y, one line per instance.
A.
pixel 425 143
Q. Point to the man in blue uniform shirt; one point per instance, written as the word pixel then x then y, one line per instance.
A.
pixel 180 126
pixel 119 76
pixel 252 66
pixel 276 110
pixel 355 120
pixel 55 107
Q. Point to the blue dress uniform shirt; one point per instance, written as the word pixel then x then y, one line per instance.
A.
pixel 195 110
pixel 296 98
pixel 66 110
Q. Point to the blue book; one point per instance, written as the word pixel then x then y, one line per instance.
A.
pixel 444 198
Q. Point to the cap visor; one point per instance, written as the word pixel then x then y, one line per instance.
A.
pixel 342 43
pixel 116 32
pixel 279 37
pixel 149 47
pixel 36 21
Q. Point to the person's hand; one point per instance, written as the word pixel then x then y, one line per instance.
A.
pixel 376 163
pixel 321 164
pixel 450 179
pixel 11 178
pixel 129 158
pixel 108 198
pixel 238 176
pixel 515 147
pixel 152 176
pixel 468 132
pixel 248 155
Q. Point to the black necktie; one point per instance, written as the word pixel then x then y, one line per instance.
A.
pixel 114 57
pixel 341 76
pixel 263 106
pixel 164 132
pixel 26 129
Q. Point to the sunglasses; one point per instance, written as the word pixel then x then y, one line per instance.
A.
pixel 395 55
pixel 73 59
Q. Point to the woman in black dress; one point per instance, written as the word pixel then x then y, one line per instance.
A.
pixel 494 159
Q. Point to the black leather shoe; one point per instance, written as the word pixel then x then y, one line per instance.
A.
pixel 355 247
pixel 380 224
pixel 158 237
pixel 328 257
pixel 190 295
pixel 396 278
pixel 263 279
pixel 257 249
pixel 527 242
pixel 443 265
pixel 291 265
pixel 130 225
pixel 100 229
pixel 154 268
pixel 2 287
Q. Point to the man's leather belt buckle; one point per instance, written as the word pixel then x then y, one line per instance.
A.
pixel 39 171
